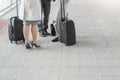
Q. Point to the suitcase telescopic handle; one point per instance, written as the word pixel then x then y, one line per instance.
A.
pixel 62 4
pixel 17 8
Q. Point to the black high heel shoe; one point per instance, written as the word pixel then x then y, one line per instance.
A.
pixel 27 45
pixel 35 45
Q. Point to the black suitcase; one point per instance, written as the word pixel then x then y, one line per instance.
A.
pixel 67 35
pixel 67 28
pixel 15 29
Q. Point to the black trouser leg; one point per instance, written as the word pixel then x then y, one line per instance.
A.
pixel 46 8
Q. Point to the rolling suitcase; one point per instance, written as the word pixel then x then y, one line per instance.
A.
pixel 15 28
pixel 67 28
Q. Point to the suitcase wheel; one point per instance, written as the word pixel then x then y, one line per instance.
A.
pixel 15 42
pixel 11 40
pixel 24 40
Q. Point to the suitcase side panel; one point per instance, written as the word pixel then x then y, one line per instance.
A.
pixel 63 31
pixel 18 29
pixel 68 35
pixel 70 32
pixel 15 29
pixel 10 29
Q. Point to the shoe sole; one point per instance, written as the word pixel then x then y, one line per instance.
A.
pixel 42 35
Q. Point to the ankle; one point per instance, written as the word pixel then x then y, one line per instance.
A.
pixel 27 45
pixel 27 42
pixel 34 42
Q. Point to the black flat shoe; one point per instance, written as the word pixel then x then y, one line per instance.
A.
pixel 56 39
pixel 35 45
pixel 27 45
pixel 47 33
pixel 42 33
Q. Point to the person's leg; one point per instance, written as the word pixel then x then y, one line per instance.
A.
pixel 58 22
pixel 43 26
pixel 34 35
pixel 26 36
pixel 57 27
pixel 34 32
pixel 26 33
pixel 47 7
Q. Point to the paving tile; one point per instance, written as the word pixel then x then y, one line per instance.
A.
pixel 106 62
pixel 98 42
pixel 86 56
pixel 111 77
pixel 70 63
pixel 117 62
pixel 99 71
pixel 37 77
pixel 65 71
pixel 116 55
pixel 79 78
pixel 29 71
pixel 88 62
pixel 16 60
pixel 9 73
pixel 104 55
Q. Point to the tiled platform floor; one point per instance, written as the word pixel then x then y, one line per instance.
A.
pixel 96 56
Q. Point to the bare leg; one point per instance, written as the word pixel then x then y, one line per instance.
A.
pixel 34 32
pixel 34 35
pixel 26 33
